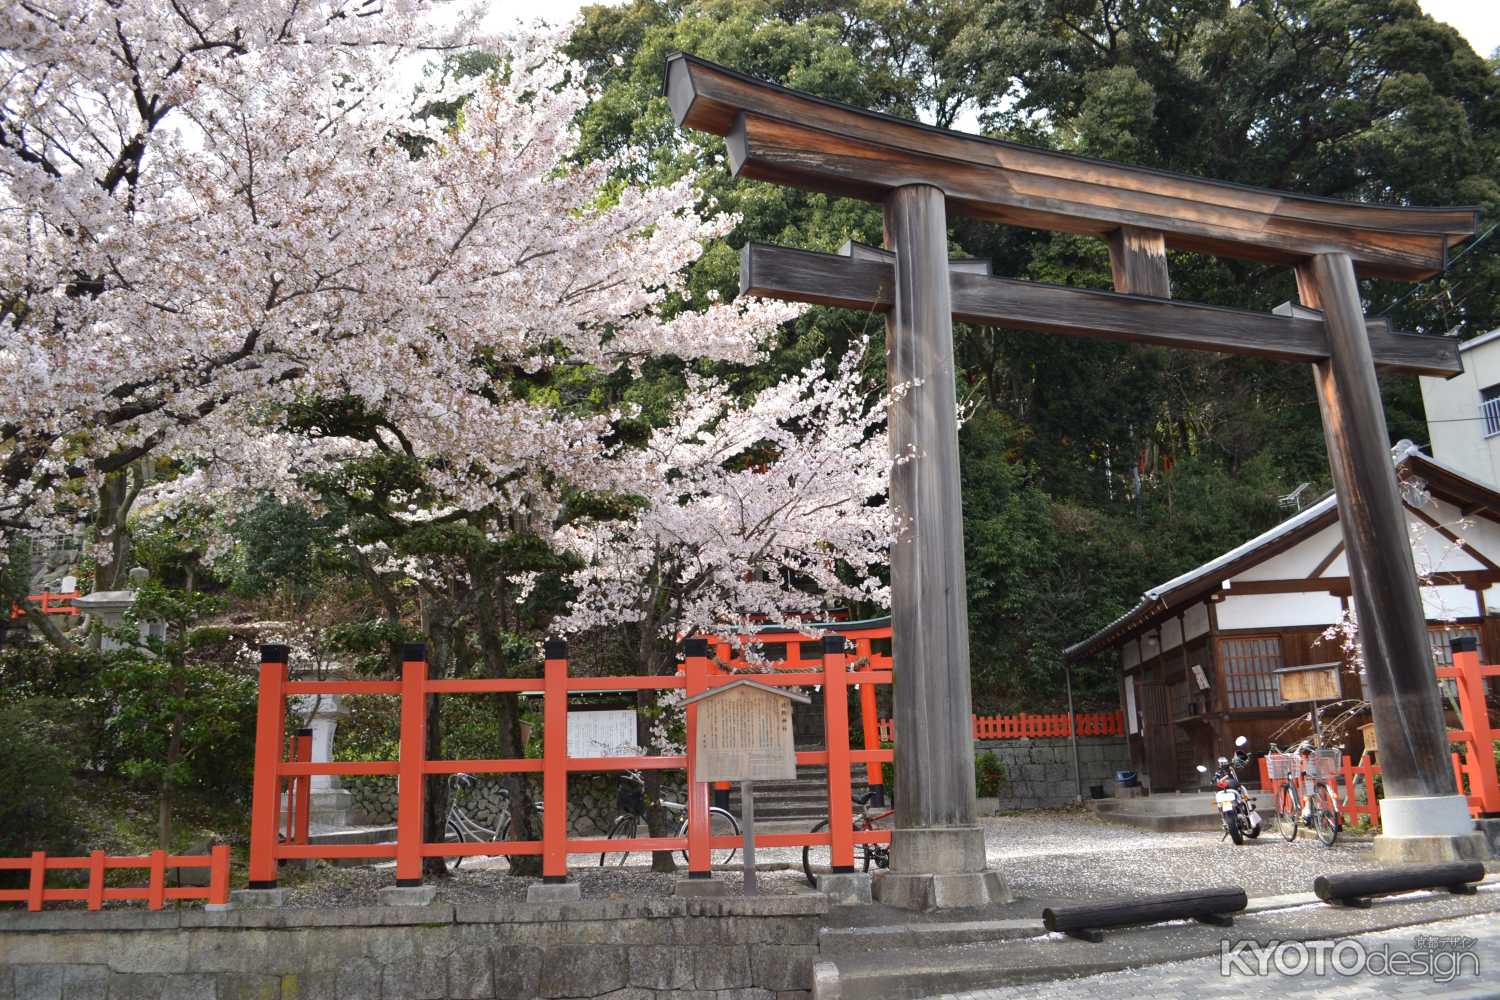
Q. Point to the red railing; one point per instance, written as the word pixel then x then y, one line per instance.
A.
pixel 1474 770
pixel 155 893
pixel 698 673
pixel 1029 726
pixel 48 603
pixel 296 793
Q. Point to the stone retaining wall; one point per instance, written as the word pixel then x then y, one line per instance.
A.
pixel 704 949
pixel 1039 772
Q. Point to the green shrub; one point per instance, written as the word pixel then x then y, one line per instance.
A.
pixel 989 775
pixel 36 785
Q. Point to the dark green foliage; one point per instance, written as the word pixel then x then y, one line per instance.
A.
pixel 989 774
pixel 37 811
pixel 1094 470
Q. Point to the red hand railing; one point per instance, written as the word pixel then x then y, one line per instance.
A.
pixel 155 893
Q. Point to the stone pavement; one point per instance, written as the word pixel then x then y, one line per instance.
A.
pixel 1201 979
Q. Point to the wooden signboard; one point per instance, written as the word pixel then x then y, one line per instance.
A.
pixel 745 733
pixel 1316 682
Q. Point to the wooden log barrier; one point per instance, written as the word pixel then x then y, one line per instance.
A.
pixel 1088 920
pixel 1356 888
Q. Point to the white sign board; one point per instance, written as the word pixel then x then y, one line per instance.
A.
pixel 1200 677
pixel 745 734
pixel 609 733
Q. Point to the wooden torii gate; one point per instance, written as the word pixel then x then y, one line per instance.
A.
pixel 918 173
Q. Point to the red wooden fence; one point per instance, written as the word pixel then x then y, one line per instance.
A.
pixel 1474 770
pixel 832 672
pixel 1028 726
pixel 155 893
pixel 48 603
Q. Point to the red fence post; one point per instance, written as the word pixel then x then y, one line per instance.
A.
pixel 270 724
pixel 218 874
pixel 302 801
pixel 555 756
pixel 1484 782
pixel 96 880
pixel 36 889
pixel 156 888
pixel 836 739
pixel 410 780
pixel 874 774
pixel 695 678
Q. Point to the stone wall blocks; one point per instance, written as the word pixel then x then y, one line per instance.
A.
pixel 661 967
pixel 516 971
pixel 722 968
pixel 358 979
pixel 39 982
pixel 782 967
pixel 469 973
pixel 86 982
pixel 142 986
pixel 420 976
pixel 582 970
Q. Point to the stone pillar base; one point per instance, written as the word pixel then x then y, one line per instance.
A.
pixel 1431 850
pixel 940 892
pixel 1490 828
pixel 943 850
pixel 408 895
pixel 257 899
pixel 554 892
pixel 700 887
pixel 846 888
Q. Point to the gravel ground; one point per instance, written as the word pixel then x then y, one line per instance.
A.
pixel 1044 855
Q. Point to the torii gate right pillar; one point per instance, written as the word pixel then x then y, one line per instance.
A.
pixel 1423 817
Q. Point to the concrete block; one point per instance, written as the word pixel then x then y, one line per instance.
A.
pixel 553 892
pixel 517 971
pixel 39 982
pixel 661 967
pixel 470 975
pixel 783 967
pixel 422 976
pixel 1490 830
pixel 7 983
pixel 141 986
pixel 408 895
pixel 946 849
pixel 826 982
pixel 1430 850
pixel 358 979
pixel 85 982
pixel 700 887
pixel 582 970
pixel 255 899
pixel 723 968
pixel 192 987
pixel 940 892
pixel 845 888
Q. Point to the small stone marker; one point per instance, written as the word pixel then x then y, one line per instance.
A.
pixel 745 735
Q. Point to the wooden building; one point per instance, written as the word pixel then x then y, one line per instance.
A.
pixel 1198 654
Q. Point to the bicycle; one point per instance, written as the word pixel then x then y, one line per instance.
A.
pixel 460 826
pixel 1307 796
pixel 819 859
pixel 630 799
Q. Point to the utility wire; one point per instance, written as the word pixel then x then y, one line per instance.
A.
pixel 1454 260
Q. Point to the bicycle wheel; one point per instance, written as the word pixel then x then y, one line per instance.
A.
pixel 721 823
pixel 877 856
pixel 1286 812
pixel 1325 815
pixel 818 859
pixel 452 834
pixel 623 829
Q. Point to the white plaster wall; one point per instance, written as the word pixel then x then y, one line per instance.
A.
pixel 1298 561
pixel 1454 424
pixel 1443 603
pixel 1271 611
pixel 1195 620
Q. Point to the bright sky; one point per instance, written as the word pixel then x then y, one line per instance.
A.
pixel 1476 20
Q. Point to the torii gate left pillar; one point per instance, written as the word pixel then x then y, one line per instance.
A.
pixel 937 847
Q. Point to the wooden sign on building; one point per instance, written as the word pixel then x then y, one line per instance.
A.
pixel 1314 682
pixel 744 733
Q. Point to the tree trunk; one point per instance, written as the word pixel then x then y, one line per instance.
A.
pixel 653 661
pixel 488 609
pixel 116 497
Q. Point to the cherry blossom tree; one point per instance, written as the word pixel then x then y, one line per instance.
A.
pixel 207 211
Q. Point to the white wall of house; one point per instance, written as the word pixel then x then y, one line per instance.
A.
pixel 1460 434
pixel 1273 611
